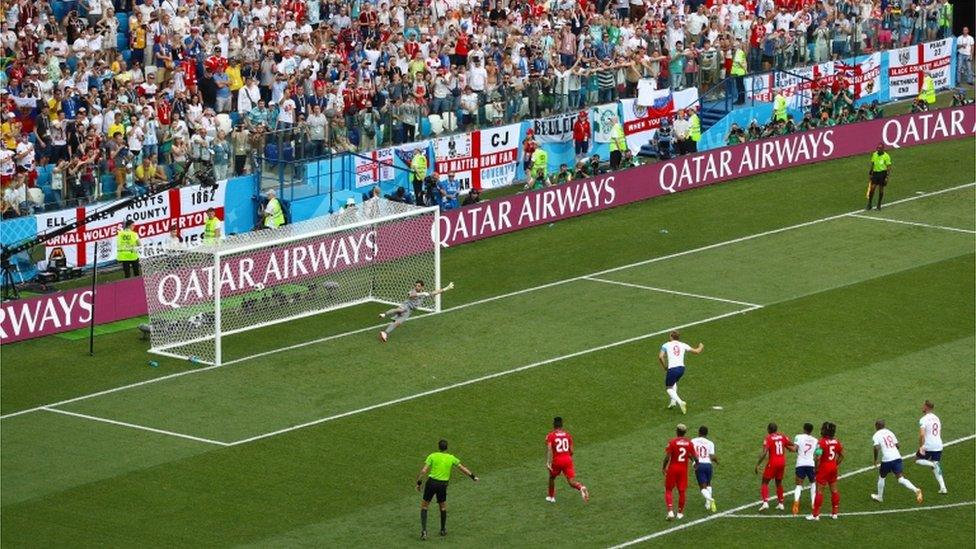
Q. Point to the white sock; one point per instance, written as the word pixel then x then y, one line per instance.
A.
pixel 813 493
pixel 673 393
pixel 704 492
pixel 941 481
pixel 796 493
pixel 881 483
pixel 710 493
pixel 925 463
pixel 907 484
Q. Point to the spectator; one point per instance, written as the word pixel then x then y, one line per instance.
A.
pixel 449 189
pixel 964 56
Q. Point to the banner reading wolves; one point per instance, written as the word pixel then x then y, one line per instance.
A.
pixel 154 216
pixel 484 159
pixel 907 66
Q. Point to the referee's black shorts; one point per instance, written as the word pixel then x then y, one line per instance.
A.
pixel 879 178
pixel 437 488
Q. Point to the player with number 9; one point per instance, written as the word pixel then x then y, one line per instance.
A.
pixel 559 460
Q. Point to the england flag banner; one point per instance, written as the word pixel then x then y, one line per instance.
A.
pixel 907 66
pixel 863 76
pixel 481 160
pixel 183 209
pixel 376 168
pixel 797 85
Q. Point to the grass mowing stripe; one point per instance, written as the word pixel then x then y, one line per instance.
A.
pixel 134 426
pixel 489 376
pixel 729 512
pixel 493 298
pixel 914 223
pixel 675 292
pixel 865 513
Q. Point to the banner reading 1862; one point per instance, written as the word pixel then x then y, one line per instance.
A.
pixel 183 209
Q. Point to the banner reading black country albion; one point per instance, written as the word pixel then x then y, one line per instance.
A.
pixel 526 210
pixel 907 66
pixel 183 209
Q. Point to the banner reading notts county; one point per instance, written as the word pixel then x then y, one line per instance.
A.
pixel 481 160
pixel 183 209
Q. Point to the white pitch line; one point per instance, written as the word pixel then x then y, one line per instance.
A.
pixel 914 223
pixel 729 512
pixel 675 292
pixel 487 300
pixel 134 426
pixel 864 513
pixel 487 377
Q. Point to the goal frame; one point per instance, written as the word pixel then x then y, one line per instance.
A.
pixel 435 235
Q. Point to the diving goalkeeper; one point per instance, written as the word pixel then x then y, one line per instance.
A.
pixel 415 298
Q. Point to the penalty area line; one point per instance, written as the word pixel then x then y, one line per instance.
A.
pixel 864 513
pixel 135 426
pixel 732 511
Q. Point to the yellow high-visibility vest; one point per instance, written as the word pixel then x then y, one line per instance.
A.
pixel 127 245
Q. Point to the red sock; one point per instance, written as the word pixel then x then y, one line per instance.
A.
pixel 835 501
pixel 681 501
pixel 669 499
pixel 576 486
pixel 779 492
pixel 817 502
pixel 552 491
pixel 764 491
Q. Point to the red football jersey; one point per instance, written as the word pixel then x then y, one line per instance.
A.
pixel 830 448
pixel 681 451
pixel 561 443
pixel 777 445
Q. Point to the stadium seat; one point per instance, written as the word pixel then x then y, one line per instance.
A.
pixel 121 41
pixel 424 127
pixel 44 176
pixel 436 124
pixel 123 19
pixel 108 186
pixel 127 55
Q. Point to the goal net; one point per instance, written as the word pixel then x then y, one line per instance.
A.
pixel 372 252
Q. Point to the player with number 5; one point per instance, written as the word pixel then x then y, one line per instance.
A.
pixel 559 460
pixel 830 454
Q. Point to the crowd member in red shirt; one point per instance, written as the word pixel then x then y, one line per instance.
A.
pixel 559 460
pixel 775 447
pixel 581 134
pixel 831 456
pixel 675 468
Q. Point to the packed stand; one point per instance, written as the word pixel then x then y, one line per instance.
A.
pixel 111 98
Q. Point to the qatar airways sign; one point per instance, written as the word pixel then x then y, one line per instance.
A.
pixel 544 206
pixel 70 310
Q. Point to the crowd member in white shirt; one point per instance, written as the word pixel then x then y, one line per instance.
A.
pixel 930 443
pixel 806 446
pixel 887 449
pixel 964 56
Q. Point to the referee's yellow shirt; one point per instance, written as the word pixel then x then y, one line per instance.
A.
pixel 880 162
pixel 440 464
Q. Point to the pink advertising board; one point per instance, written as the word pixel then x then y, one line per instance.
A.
pixel 581 197
pixel 71 309
pixel 64 311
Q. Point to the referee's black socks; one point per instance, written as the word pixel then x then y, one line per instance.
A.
pixel 880 196
pixel 443 521
pixel 423 519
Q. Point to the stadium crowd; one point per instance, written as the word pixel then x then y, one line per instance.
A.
pixel 130 92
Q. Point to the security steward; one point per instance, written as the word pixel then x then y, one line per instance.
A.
pixel 437 467
pixel 880 168
pixel 211 227
pixel 274 214
pixel 127 249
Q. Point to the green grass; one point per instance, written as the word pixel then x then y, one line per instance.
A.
pixel 860 319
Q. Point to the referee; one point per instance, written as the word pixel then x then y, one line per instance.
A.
pixel 880 167
pixel 437 467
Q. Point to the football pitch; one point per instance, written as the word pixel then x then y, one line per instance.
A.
pixel 810 310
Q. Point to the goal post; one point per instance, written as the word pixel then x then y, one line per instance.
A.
pixel 372 252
